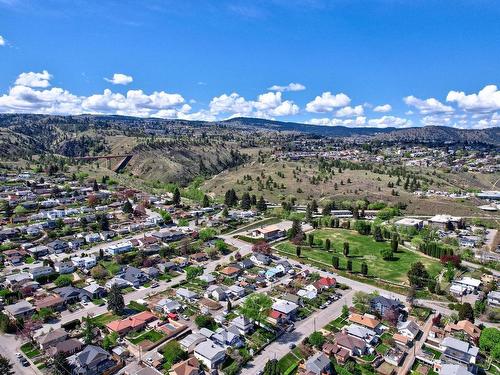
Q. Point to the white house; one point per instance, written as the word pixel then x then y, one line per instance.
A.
pixel 40 271
pixel 64 267
pixel 210 354
pixel 409 329
pixel 84 262
pixel 308 292
pixel 468 283
pixel 494 298
pixel 119 248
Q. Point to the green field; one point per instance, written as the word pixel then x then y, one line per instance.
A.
pixel 152 336
pixel 363 249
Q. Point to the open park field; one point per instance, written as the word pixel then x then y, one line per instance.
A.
pixel 362 249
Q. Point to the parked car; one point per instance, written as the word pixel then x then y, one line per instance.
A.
pixel 291 346
pixel 172 316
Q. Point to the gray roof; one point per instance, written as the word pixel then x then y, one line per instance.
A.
pixel 449 369
pixel 52 336
pixel 92 355
pixel 19 307
pixel 209 349
pixel 317 363
pixel 460 345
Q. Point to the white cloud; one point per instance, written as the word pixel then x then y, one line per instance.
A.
pixel 120 79
pixel 32 79
pixel 383 108
pixel 427 106
pixel 390 121
pixel 350 111
pixel 486 100
pixel 290 87
pixel 358 121
pixel 2 41
pixel 327 102
pixel 267 105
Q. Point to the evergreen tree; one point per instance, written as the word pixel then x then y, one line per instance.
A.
pixel 418 275
pixel 466 312
pixel 364 269
pixel 346 249
pixel 335 262
pixel 295 230
pixel 314 206
pixel 261 204
pixel 394 243
pixel 61 365
pixel 310 239
pixel 328 244
pixel 206 201
pixel 246 202
pixel 254 200
pixel 96 186
pixel 349 265
pixel 88 330
pixel 308 213
pixel 5 366
pixel 127 207
pixel 115 300
pixel 176 200
pixel 298 251
pixel 377 234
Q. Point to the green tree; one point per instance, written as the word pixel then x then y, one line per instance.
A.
pixel 207 234
pixel 298 251
pixel 489 342
pixel 115 300
pixel 335 262
pixel 192 272
pixel 261 204
pixel 127 207
pixel 172 353
pixel 386 253
pixel 63 280
pixel 256 307
pixel 99 272
pixel 328 244
pixel 346 249
pixel 377 234
pixel 206 201
pixel 466 312
pixel 295 230
pixel 272 368
pixel 165 215
pixel 349 265
pixel 5 366
pixel 317 339
pixel 88 330
pixel 176 200
pixel 394 242
pixel 418 275
pixel 205 321
pixel 110 341
pixel 245 203
pixel 345 310
pixel 310 238
pixel 308 213
pixel 364 269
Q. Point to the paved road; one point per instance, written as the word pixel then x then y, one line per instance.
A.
pixel 9 345
pixel 303 329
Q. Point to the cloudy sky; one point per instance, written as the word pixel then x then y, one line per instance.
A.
pixel 340 62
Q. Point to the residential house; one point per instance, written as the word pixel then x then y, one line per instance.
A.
pixel 76 243
pixel 208 278
pixel 272 273
pixel 260 259
pixel 381 304
pixel 167 306
pixel 355 346
pixel 308 292
pixel 66 347
pixel 468 328
pixel 227 338
pixel 190 366
pixel 409 329
pixel 199 257
pixel 64 267
pixel 118 281
pixel 269 233
pixel 186 294
pixel 446 222
pixel 494 298
pixel 216 292
pixel 458 351
pixel 17 279
pixel 92 238
pixel 86 262
pixel 366 334
pixel 96 291
pixel 410 223
pixel 189 342
pixel 230 271
pixel 57 246
pixel 286 308
pixel 467 284
pixel 245 264
pixel 394 356
pixel 454 369
pixel 21 309
pixel 366 320
pixel 119 248
pixel 93 360
pixel 318 364
pixel 132 323
pixel 134 276
pixel 41 271
pixel 53 302
pixel 38 251
pixel 242 324
pixel 284 266
pixel 50 339
pixel 237 291
pixel 71 294
pixel 292 298
pixel 210 354
pixel 325 283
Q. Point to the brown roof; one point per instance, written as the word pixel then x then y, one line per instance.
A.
pixel 230 270
pixel 49 301
pixel 131 322
pixel 364 320
pixel 66 346
pixel 400 338
pixel 466 326
pixel 344 340
pixel 54 335
pixel 190 366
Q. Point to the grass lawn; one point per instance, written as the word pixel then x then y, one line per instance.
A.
pixel 111 266
pixel 337 324
pixel 422 313
pixel 287 361
pixel 363 249
pixel 152 336
pixel 128 290
pixel 29 260
pixel 437 353
pixel 103 319
pixel 133 305
pixel 98 301
pixel 30 350
pixel 381 349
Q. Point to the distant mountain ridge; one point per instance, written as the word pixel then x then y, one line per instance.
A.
pixel 31 124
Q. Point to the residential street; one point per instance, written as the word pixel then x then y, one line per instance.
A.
pixel 410 357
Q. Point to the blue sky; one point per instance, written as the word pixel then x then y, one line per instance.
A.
pixel 356 63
